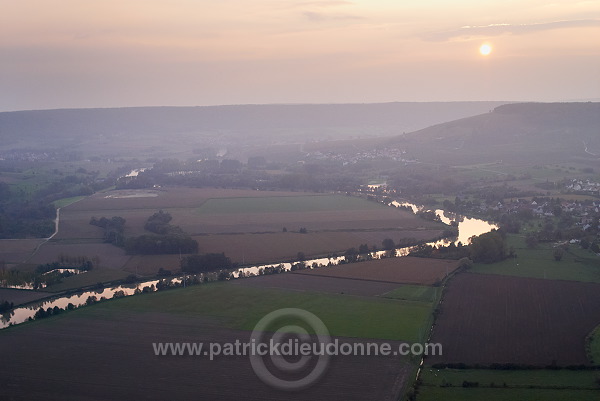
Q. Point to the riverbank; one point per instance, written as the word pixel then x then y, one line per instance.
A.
pixel 81 297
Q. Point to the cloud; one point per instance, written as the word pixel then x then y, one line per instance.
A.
pixel 318 17
pixel 499 29
pixel 331 3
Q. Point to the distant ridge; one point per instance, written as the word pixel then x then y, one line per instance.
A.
pixel 518 133
pixel 384 118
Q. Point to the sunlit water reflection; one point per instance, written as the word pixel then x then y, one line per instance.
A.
pixel 467 228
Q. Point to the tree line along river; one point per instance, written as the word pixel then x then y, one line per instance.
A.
pixel 467 228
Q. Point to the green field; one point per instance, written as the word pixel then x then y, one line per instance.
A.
pixel 510 385
pixel 577 264
pixel 584 379
pixel 420 293
pixel 526 177
pixel 502 394
pixel 302 203
pixel 29 181
pixel 67 201
pixel 37 175
pixel 239 307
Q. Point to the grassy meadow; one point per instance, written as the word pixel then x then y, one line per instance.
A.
pixel 502 394
pixel 577 264
pixel 298 203
pixel 239 307
pixel 419 293
pixel 67 201
pixel 509 385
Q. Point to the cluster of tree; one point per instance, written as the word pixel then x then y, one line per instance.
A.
pixel 206 263
pixel 6 306
pixel 428 215
pixel 257 162
pixel 363 252
pixel 47 275
pixel 232 174
pixel 351 255
pixel 363 249
pixel 75 261
pixel 164 272
pixel 114 229
pixel 43 313
pixel 510 223
pixel 23 215
pixel 592 246
pixel 419 180
pixel 83 184
pixel 92 299
pixel 167 239
pixel 452 251
pixel 532 241
pixel 158 223
pixel 565 228
pixel 497 193
pixel 84 266
pixel 585 244
pixel 388 244
pixel 401 207
pixel 558 253
pixel 298 266
pixel 161 244
pixel 25 226
pixel 489 247
pixel 549 232
pixel 265 271
pixel 51 278
pixel 14 277
pixel 30 212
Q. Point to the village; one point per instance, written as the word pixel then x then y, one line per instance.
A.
pixel 393 154
pixel 584 187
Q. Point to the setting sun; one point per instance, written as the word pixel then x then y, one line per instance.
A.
pixel 485 49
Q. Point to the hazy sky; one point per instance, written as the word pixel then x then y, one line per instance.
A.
pixel 108 53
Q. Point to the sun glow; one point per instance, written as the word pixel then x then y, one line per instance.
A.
pixel 485 49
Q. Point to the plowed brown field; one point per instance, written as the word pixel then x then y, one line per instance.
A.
pixel 393 270
pixel 489 319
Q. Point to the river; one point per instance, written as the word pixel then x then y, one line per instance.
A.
pixel 467 227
